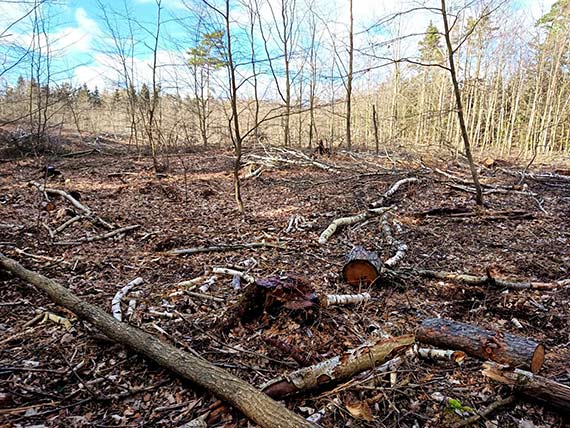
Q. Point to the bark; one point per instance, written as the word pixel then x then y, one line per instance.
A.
pixel 488 345
pixel 362 267
pixel 459 105
pixel 349 80
pixel 338 368
pixel 254 404
pixel 393 189
pixel 344 221
pixel 531 385
pixel 63 194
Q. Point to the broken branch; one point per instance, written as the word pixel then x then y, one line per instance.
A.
pixel 393 189
pixel 345 221
pixel 338 368
pixel 531 385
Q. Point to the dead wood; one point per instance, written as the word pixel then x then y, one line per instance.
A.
pixel 270 295
pixel 291 351
pixel 100 237
pixel 468 279
pixel 343 299
pixel 345 221
pixel 462 213
pixel 393 189
pixel 337 369
pixel 63 194
pixel 533 386
pixel 222 248
pixel 400 247
pixel 80 153
pixel 255 405
pixel 362 267
pixel 486 411
pixel 486 344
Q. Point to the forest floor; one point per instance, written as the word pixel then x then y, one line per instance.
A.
pixel 52 375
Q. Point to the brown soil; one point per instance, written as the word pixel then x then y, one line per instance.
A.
pixel 70 378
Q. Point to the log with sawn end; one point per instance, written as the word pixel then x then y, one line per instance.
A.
pixel 488 345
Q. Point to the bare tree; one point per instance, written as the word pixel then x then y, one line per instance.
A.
pixel 349 78
pixel 459 104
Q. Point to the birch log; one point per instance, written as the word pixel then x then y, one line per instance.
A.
pixel 393 189
pixel 362 267
pixel 338 368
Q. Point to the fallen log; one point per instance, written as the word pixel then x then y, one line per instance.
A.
pixel 487 280
pixel 362 267
pixel 338 368
pixel 257 406
pixel 400 247
pixel 531 385
pixel 488 345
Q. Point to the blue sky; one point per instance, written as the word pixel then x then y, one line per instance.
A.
pixel 83 53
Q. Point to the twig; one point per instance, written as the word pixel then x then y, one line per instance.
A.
pixel 100 237
pixel 222 248
pixel 486 411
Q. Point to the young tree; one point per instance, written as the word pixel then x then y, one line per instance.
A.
pixel 205 58
pixel 349 78
pixel 459 104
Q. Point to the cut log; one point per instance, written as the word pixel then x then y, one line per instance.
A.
pixel 338 368
pixel 253 403
pixel 531 385
pixel 501 347
pixel 362 267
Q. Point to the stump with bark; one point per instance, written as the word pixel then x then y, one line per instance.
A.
pixel 501 347
pixel 362 267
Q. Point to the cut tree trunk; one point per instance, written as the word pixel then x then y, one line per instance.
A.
pixel 531 385
pixel 362 267
pixel 338 368
pixel 501 347
pixel 253 403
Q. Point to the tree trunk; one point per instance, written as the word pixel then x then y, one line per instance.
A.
pixel 349 80
pixel 488 345
pixel 255 405
pixel 459 105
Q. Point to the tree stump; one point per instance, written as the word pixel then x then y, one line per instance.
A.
pixel 362 267
pixel 501 347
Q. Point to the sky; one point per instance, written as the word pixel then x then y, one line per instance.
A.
pixel 83 53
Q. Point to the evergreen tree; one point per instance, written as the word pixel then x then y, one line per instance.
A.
pixel 430 45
